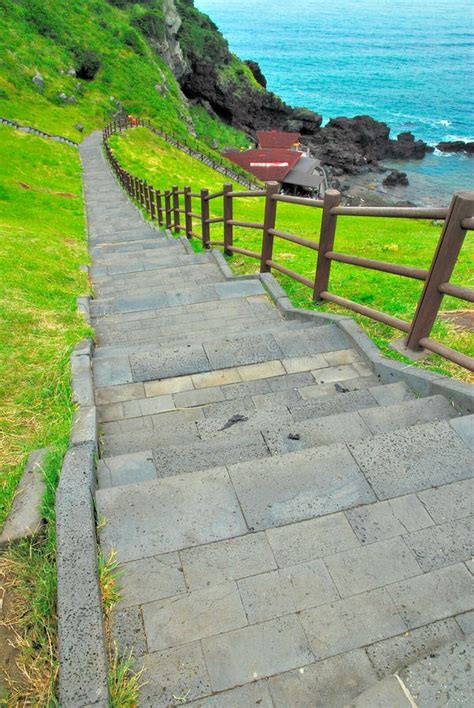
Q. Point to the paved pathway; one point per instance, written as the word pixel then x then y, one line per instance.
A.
pixel 291 531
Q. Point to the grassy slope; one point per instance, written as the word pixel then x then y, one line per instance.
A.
pixel 39 271
pixel 402 241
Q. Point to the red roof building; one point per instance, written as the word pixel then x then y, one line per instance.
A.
pixel 268 165
pixel 276 139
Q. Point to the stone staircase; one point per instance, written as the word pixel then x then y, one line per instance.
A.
pixel 291 530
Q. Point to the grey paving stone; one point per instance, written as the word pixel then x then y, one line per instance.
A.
pixel 187 617
pixel 414 459
pixel 393 654
pixel 174 675
pixel 434 596
pixel 240 351
pixel 227 409
pixel 302 434
pixel 25 518
pixel 466 622
pixel 235 558
pixel 268 401
pixel 126 469
pixel 337 374
pixel 372 566
pixel 451 501
pixel 361 383
pixel 291 381
pixel 175 361
pixel 387 692
pixel 444 678
pixel 340 403
pixel 150 579
pixel 170 514
pixel 248 696
pixel 113 371
pixel 351 623
pixel 329 683
pixel 254 652
pixel 285 489
pixel 208 453
pixel 282 592
pixel 465 429
pixel 391 393
pixel 375 522
pixel 443 545
pixel 127 631
pixel 308 540
pixel 408 413
pixel 326 338
pixel 200 397
pixel 248 421
pixel 239 288
pixel 246 389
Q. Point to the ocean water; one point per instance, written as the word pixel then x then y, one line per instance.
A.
pixel 409 64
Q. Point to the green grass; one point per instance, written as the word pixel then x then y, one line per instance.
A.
pixel 214 133
pixel 405 241
pixel 42 233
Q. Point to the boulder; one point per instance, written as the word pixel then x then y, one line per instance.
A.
pixel 395 179
pixel 79 127
pixel 456 146
pixel 71 72
pixel 38 80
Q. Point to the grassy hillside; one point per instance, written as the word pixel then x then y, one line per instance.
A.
pixel 409 242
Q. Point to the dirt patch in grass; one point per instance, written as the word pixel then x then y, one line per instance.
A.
pixel 462 319
pixel 9 652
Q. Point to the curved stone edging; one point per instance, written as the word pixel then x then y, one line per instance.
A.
pixel 37 131
pixel 424 383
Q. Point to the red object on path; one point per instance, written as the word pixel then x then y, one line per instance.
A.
pixel 269 165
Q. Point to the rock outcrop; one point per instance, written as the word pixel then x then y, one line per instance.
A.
pixel 257 72
pixel 396 179
pixel 456 146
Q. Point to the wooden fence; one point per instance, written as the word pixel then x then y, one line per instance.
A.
pixel 176 209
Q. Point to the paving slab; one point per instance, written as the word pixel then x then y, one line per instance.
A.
pixel 150 579
pixel 255 652
pixel 178 620
pixel 376 522
pixel 240 351
pixel 332 682
pixel 127 631
pixel 169 362
pixel 248 696
pixel 326 338
pixel 126 469
pixel 442 545
pixel 331 405
pixel 281 490
pixel 172 513
pixel 449 502
pixel 412 460
pixel 233 559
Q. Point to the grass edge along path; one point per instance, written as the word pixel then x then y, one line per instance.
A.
pixel 406 241
pixel 43 242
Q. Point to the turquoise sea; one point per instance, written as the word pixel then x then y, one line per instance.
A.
pixel 409 63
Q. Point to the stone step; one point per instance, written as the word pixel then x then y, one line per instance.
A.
pixel 186 296
pixel 151 262
pixel 168 276
pixel 102 252
pixel 200 335
pixel 441 676
pixel 198 443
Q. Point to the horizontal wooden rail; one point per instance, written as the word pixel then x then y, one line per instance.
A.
pixel 215 243
pixel 216 220
pixel 244 252
pixel 195 195
pixel 193 234
pixel 468 224
pixel 302 201
pixel 392 212
pixel 447 353
pixel 256 193
pixel 290 273
pixel 193 215
pixel 215 195
pixel 295 239
pixel 395 268
pixel 458 291
pixel 367 311
pixel 245 224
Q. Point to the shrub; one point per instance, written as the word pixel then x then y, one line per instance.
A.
pixel 151 24
pixel 133 40
pixel 87 63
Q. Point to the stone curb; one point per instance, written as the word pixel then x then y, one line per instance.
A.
pixel 424 383
pixel 25 519
pixel 83 666
pixel 84 307
pixel 37 131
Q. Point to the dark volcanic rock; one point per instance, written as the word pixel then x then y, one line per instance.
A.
pixel 351 144
pixel 396 178
pixel 456 146
pixel 257 72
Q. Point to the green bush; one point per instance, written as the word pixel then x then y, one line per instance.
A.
pixel 151 24
pixel 44 21
pixel 133 40
pixel 87 63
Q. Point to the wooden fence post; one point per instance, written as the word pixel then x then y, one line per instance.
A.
pixel 326 242
pixel 228 216
pixel 176 214
pixel 205 226
pixel 159 206
pixel 442 266
pixel 168 209
pixel 151 194
pixel 146 195
pixel 268 223
pixel 188 207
